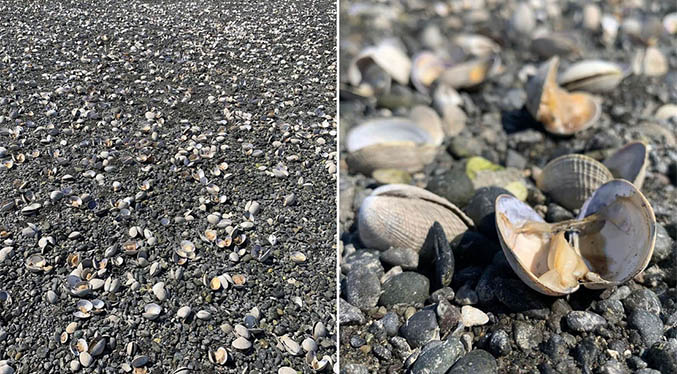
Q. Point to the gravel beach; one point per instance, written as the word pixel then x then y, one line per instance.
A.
pixel 444 106
pixel 168 186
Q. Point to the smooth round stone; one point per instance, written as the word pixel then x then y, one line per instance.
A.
pixel 454 185
pixel 405 288
pixel 421 328
pixel 663 246
pixel 477 361
pixel 649 325
pixel 86 359
pixel 362 288
pixel 391 323
pixel 642 299
pixel 500 343
pixel 52 297
pixel 582 321
pixel 471 316
pixel 183 312
pixel 481 209
pixel 407 258
pixel 663 356
pixel 440 358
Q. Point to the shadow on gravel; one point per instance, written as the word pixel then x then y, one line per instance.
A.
pixel 518 120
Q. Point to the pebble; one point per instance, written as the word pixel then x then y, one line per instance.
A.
pixel 440 358
pixel 362 288
pixel 349 314
pixel 52 297
pixel 582 321
pixel 649 325
pixel 454 185
pixel 421 328
pixel 354 369
pixel 406 258
pixel 471 316
pixel 405 288
pixel 476 361
pixel 500 343
pixel 515 295
pixel 391 323
pixel 86 359
pixel 466 295
pixel 363 259
pixel 481 209
pixel 586 352
pixel 642 299
pixel 663 246
pixel 662 356
pixel 448 316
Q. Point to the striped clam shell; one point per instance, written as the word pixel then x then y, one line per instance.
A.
pixel 571 179
pixel 398 215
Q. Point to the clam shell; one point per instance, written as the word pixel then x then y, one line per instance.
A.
pixel 571 179
pixel 650 62
pixel 560 112
pixel 592 76
pixel 624 246
pixel 555 44
pixel 425 70
pixel 476 44
pixel 391 143
pixel 388 56
pixel 629 163
pixel 526 257
pixel 469 74
pixel 398 215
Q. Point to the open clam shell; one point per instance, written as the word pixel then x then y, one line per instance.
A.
pixel 425 70
pixel 572 178
pixel 470 73
pixel 387 56
pixel 398 215
pixel 560 112
pixel 615 235
pixel 592 76
pixel 395 143
pixel 630 163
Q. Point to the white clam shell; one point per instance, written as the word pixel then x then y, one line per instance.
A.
pixel 398 215
pixel 388 56
pixel 618 252
pixel 592 76
pixel 395 143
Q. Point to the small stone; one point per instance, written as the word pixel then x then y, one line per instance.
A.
pixel 481 209
pixel 454 185
pixel 52 297
pixel 466 295
pixel 362 288
pixel 471 316
pixel 586 352
pixel 557 213
pixel 391 323
pixel 515 160
pixel 649 325
pixel 612 367
pixel 448 316
pixel 440 358
pixel 477 361
pixel 391 176
pixel 407 258
pixel 526 335
pixel 582 321
pixel 642 299
pixel 500 343
pixel 421 328
pixel 663 246
pixel 663 356
pixel 86 359
pixel 556 348
pixel 518 297
pixel 183 312
pixel 405 288
pixel 349 314
pixel 363 259
pixel 354 369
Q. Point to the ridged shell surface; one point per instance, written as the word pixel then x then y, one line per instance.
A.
pixel 400 216
pixel 571 179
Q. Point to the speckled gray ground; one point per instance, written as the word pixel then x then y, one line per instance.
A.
pixel 95 92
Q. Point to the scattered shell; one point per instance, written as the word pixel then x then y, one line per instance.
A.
pixel 5 298
pixel 292 347
pixel 84 308
pixel 220 356
pixel 203 315
pixel 392 143
pixel 380 222
pixel 561 112
pixel 140 361
pixel 183 312
pixel 592 76
pixel 97 346
pixel 610 241
pixel 571 179
pixel 387 56
pixel 86 359
pixel 629 163
pixel 36 263
pixel 239 280
pixel 650 62
pixel 159 291
pixel 426 68
pixel 151 311
pixel 286 370
pixel 210 235
pixel 309 345
pixel 666 112
pixel 241 344
pixel 298 257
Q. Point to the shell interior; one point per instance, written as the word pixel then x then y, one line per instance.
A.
pixel 387 130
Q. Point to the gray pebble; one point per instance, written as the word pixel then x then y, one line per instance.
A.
pixel 642 299
pixel 477 361
pixel 500 343
pixel 649 325
pixel 581 321
pixel 405 288
pixel 349 314
pixel 362 288
pixel 407 258
pixel 440 358
pixel 421 328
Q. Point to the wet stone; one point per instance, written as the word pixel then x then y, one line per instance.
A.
pixel 649 325
pixel 362 288
pixel 391 323
pixel 476 361
pixel 526 335
pixel 405 257
pixel 439 359
pixel 454 185
pixel 500 343
pixel 421 328
pixel 582 321
pixel 642 299
pixel 349 314
pixel 405 288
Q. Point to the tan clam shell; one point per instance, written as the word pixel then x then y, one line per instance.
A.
pixel 425 69
pixel 650 62
pixel 476 44
pixel 470 73
pixel 387 56
pixel 395 143
pixel 560 112
pixel 629 163
pixel 572 178
pixel 592 76
pixel 615 254
pixel 398 215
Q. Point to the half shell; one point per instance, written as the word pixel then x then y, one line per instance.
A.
pixel 387 56
pixel 571 179
pixel 398 215
pixel 426 68
pixel 629 163
pixel 592 76
pixel 560 112
pixel 470 73
pixel 614 245
pixel 395 143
